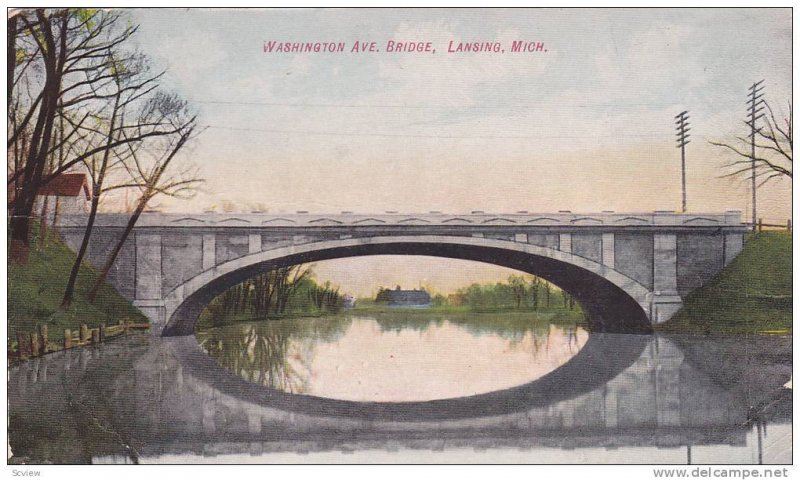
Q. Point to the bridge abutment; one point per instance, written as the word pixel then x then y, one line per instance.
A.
pixel 155 311
pixel 666 301
pixel 148 268
pixel 734 243
pixel 148 277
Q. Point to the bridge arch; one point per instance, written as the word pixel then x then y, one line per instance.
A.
pixel 613 301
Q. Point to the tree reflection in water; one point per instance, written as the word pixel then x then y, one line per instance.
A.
pixel 532 330
pixel 273 353
pixel 279 353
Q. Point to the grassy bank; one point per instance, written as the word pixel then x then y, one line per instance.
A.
pixel 369 307
pixel 35 290
pixel 499 317
pixel 206 321
pixel 751 295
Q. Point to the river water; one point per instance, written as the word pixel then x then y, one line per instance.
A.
pixel 405 387
pixel 395 357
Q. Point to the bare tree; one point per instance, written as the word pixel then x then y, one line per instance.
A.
pixel 773 148
pixel 61 71
pixel 151 173
pixel 127 89
pixel 50 35
pixel 79 97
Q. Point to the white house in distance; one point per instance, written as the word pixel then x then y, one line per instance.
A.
pixel 67 194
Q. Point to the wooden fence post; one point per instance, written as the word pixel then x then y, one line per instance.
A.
pixel 44 338
pixel 95 335
pixel 760 225
pixel 67 339
pixel 34 344
pixel 84 336
pixel 21 344
pixel 102 332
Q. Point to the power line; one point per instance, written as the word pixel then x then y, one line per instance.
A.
pixel 318 105
pixel 418 107
pixel 411 135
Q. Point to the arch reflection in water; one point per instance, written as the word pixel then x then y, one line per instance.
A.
pixel 154 399
pixel 395 357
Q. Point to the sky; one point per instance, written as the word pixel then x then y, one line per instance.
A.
pixel 586 125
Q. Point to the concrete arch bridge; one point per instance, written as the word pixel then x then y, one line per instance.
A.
pixel 628 270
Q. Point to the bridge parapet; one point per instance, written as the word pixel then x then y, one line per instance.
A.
pixel 728 220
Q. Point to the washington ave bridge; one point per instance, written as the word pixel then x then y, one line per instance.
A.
pixel 628 270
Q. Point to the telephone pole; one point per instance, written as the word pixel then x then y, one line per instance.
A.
pixel 682 122
pixel 755 108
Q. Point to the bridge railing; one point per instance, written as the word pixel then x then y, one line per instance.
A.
pixel 564 218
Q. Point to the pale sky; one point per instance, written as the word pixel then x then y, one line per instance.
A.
pixel 586 126
pixel 363 276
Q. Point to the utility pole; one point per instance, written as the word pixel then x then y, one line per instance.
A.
pixel 682 122
pixel 755 108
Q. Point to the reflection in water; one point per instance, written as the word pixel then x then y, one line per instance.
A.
pixel 394 357
pixel 271 353
pixel 621 398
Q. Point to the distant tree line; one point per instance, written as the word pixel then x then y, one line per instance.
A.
pixel 518 292
pixel 276 293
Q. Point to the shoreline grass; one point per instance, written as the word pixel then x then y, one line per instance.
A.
pixel 35 291
pixel 752 295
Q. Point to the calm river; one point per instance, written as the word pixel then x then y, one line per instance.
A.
pixel 392 357
pixel 407 387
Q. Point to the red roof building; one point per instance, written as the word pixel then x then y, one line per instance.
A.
pixel 67 185
pixel 67 194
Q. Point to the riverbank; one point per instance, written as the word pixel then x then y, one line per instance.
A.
pixel 207 321
pixel 501 321
pixel 574 315
pixel 35 291
pixel 494 320
pixel 752 295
